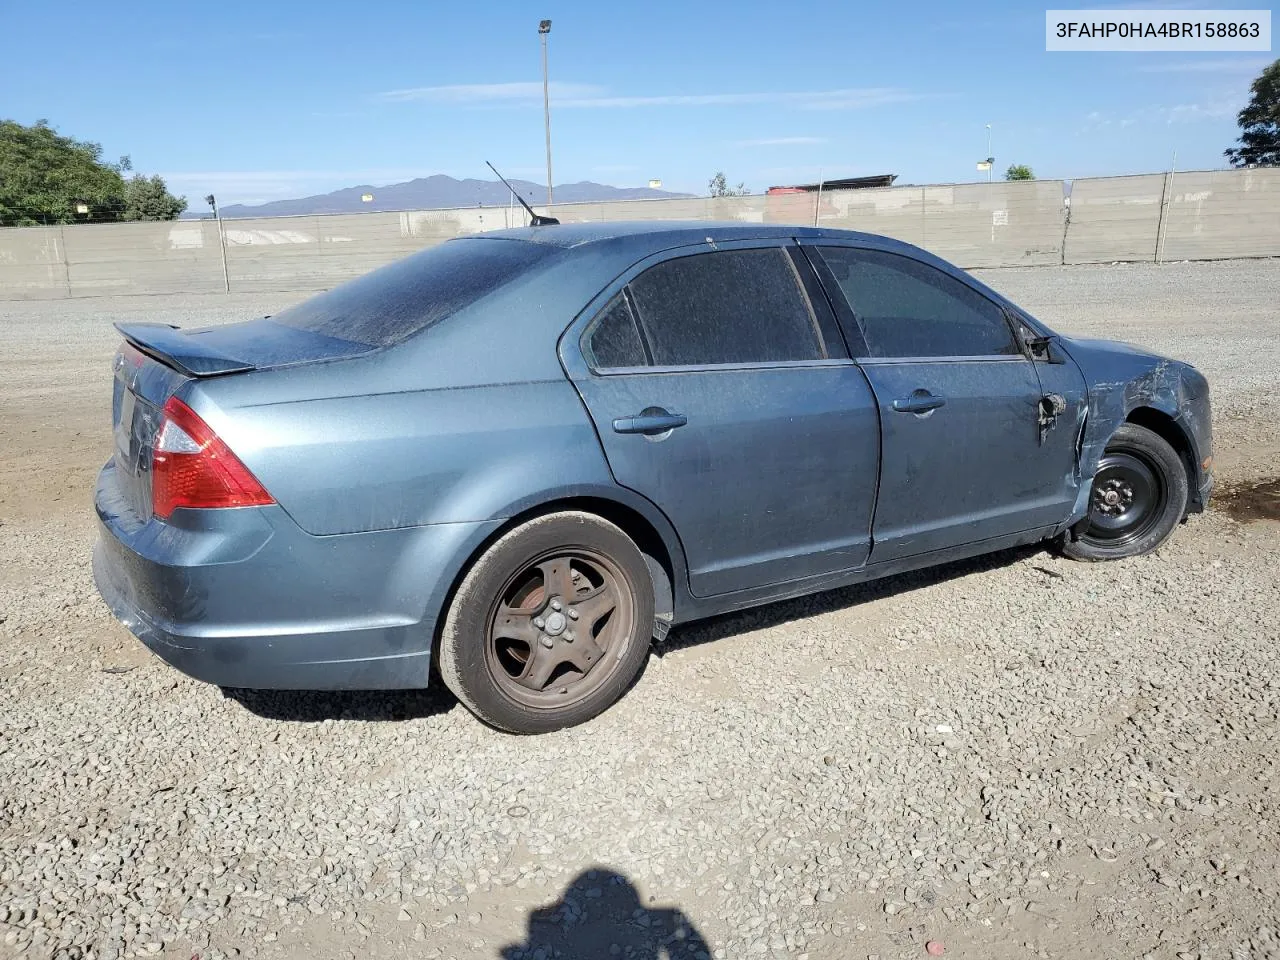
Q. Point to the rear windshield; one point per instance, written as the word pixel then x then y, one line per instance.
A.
pixel 398 300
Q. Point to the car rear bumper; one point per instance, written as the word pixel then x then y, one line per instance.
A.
pixel 245 598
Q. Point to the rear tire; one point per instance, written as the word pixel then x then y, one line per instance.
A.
pixel 550 626
pixel 1139 496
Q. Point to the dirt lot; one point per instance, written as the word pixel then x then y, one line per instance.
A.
pixel 1014 757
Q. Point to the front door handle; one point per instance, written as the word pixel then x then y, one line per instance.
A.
pixel 651 420
pixel 920 401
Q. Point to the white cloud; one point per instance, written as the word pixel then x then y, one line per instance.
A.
pixel 1236 65
pixel 1191 112
pixel 488 92
pixel 586 96
pixel 1219 108
pixel 780 142
pixel 810 100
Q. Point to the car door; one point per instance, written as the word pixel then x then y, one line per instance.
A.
pixel 721 390
pixel 964 457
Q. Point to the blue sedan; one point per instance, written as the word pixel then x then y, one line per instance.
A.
pixel 520 457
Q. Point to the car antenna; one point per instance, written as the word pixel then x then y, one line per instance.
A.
pixel 537 220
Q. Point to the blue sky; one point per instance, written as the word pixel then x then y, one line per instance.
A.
pixel 264 100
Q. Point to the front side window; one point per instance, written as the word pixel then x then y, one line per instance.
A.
pixel 730 306
pixel 909 309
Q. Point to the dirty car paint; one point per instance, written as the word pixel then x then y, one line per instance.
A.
pixel 393 468
pixel 1123 378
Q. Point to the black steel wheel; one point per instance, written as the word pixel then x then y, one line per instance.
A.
pixel 1128 498
pixel 1139 495
pixel 550 626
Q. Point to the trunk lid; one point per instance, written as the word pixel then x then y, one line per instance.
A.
pixel 157 359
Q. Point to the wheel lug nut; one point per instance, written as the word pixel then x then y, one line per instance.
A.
pixel 573 614
pixel 546 642
pixel 555 604
pixel 539 623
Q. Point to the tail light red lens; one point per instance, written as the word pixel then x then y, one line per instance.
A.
pixel 192 467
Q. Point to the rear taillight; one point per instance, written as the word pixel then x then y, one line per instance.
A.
pixel 191 467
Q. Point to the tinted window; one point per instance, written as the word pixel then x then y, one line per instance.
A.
pixel 735 306
pixel 613 340
pixel 909 309
pixel 398 300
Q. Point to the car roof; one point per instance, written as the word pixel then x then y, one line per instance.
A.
pixel 661 234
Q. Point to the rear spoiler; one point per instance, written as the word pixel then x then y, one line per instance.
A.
pixel 183 352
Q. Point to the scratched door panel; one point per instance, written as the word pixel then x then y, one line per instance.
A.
pixel 772 478
pixel 969 469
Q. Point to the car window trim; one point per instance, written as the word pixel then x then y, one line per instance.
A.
pixel 636 322
pixel 986 358
pixel 846 323
pixel 825 326
pixel 594 324
pixel 828 275
pixel 726 367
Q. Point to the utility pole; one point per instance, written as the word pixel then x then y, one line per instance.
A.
pixel 991 160
pixel 1166 198
pixel 212 201
pixel 544 28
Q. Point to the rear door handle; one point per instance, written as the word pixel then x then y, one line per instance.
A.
pixel 920 401
pixel 650 420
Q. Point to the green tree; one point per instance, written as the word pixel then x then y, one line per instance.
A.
pixel 1019 171
pixel 718 186
pixel 147 198
pixel 48 178
pixel 43 176
pixel 1259 123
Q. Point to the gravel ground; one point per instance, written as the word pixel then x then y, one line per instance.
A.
pixel 1013 757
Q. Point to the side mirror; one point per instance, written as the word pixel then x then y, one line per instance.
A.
pixel 1044 349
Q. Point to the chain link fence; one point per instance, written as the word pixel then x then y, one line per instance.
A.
pixel 1201 215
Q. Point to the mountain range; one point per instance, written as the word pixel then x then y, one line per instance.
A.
pixel 439 192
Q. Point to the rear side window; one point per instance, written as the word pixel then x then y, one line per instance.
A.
pixel 909 309
pixel 402 298
pixel 732 306
pixel 613 339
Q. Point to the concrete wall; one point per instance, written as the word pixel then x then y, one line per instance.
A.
pixel 1223 213
pixel 105 259
pixel 1167 216
pixel 1117 218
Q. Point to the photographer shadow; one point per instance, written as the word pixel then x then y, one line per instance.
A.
pixel 600 916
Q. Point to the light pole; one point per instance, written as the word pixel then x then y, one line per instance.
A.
pixel 544 28
pixel 212 201
pixel 991 160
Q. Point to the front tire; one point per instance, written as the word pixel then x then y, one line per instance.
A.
pixel 1139 496
pixel 550 626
